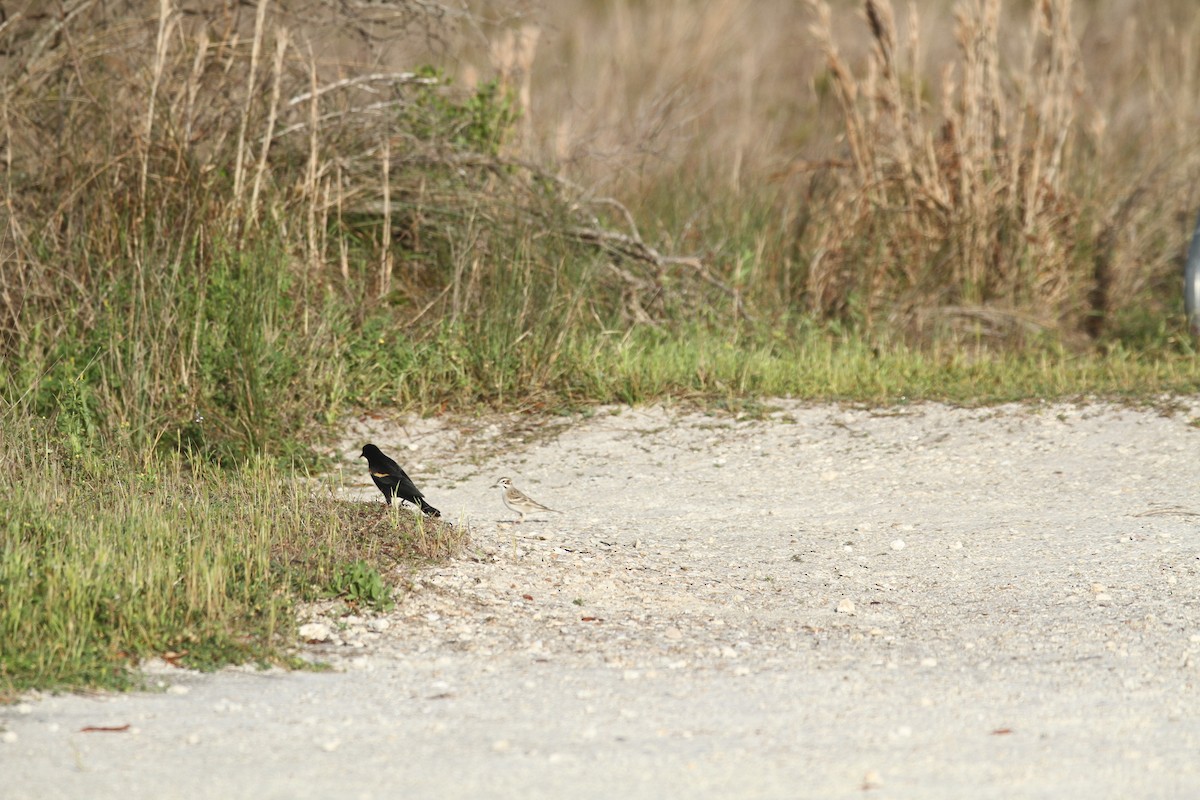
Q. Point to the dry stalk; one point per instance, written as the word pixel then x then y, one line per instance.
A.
pixel 281 46
pixel 315 252
pixel 343 245
pixel 191 87
pixel 239 167
pixel 846 89
pixel 166 23
pixel 361 81
pixel 512 55
pixel 385 245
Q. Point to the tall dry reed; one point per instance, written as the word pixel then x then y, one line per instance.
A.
pixel 979 164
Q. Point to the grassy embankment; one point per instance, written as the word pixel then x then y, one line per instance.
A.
pixel 222 234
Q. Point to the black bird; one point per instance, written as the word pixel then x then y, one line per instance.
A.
pixel 393 481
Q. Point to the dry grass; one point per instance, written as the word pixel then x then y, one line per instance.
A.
pixel 1030 161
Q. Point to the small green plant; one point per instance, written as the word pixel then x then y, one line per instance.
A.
pixel 360 583
pixel 478 122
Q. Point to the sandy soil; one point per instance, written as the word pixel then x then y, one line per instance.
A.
pixel 923 602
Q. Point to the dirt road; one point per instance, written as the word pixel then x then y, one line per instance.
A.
pixel 825 602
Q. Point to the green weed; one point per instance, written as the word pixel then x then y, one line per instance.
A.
pixel 360 583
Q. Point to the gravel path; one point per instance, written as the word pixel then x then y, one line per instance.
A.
pixel 925 602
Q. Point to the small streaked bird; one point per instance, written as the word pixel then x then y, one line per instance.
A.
pixel 518 501
pixel 393 481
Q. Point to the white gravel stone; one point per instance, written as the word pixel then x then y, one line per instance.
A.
pixel 314 632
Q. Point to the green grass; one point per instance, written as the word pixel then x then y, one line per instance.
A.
pixel 706 366
pixel 102 564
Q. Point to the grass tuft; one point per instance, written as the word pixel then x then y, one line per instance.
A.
pixel 102 566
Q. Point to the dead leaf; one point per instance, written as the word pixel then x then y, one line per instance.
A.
pixel 173 658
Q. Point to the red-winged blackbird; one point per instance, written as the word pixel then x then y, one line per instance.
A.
pixel 393 481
